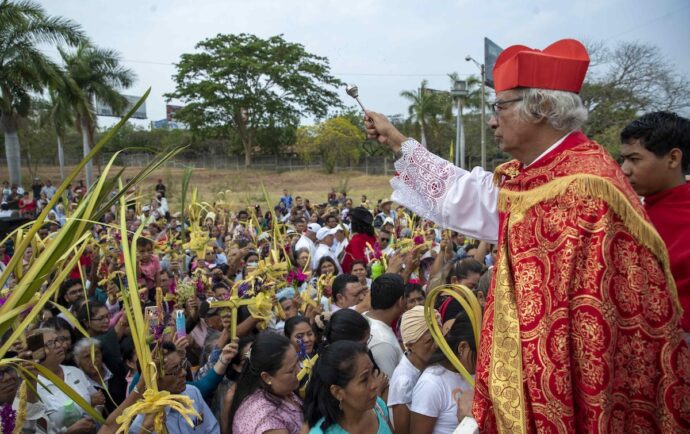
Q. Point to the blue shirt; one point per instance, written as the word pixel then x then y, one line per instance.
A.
pixel 381 415
pixel 287 200
pixel 175 423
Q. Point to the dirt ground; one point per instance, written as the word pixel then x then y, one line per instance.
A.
pixel 240 187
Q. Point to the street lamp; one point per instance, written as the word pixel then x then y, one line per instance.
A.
pixel 458 92
pixel 481 67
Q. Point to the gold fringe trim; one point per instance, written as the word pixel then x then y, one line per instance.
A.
pixel 599 188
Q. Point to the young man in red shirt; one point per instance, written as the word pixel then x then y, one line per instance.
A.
pixel 656 152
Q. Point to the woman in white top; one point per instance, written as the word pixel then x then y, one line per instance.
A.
pixel 63 415
pixel 434 406
pixel 419 346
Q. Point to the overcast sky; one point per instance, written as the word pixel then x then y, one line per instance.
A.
pixel 383 46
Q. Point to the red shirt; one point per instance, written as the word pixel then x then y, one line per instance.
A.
pixel 670 213
pixel 355 250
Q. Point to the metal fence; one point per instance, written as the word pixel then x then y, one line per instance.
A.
pixel 376 165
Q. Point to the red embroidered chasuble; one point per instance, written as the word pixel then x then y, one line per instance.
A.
pixel 581 327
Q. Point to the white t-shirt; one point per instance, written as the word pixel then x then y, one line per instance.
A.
pixel 384 346
pixel 401 385
pixel 432 396
pixel 61 411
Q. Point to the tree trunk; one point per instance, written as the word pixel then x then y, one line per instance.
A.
pixel 12 149
pixel 86 144
pixel 13 155
pixel 61 158
pixel 423 135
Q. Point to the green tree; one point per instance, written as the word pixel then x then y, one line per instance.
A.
pixel 244 83
pixel 426 108
pixel 336 140
pixel 93 73
pixel 626 81
pixel 24 69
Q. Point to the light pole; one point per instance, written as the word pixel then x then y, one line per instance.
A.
pixel 469 58
pixel 458 92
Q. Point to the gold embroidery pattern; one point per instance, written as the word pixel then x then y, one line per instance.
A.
pixel 505 375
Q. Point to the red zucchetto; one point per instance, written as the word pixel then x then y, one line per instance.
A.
pixel 560 66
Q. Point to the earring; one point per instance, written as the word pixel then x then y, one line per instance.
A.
pixel 340 404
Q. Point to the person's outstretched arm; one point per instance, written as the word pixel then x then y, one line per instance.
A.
pixel 436 189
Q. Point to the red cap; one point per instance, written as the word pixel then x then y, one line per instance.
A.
pixel 560 66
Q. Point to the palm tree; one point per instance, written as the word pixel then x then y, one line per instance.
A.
pixel 426 108
pixel 93 73
pixel 60 115
pixel 24 69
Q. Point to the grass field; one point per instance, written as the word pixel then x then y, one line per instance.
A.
pixel 244 186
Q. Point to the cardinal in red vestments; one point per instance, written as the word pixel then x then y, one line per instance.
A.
pixel 581 329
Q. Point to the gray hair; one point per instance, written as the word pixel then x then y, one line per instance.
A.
pixel 85 344
pixel 563 110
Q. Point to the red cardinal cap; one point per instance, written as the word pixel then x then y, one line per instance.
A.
pixel 560 66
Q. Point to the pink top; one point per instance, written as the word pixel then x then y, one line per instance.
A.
pixel 261 412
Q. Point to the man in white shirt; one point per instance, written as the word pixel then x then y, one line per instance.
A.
pixel 347 292
pixel 325 237
pixel 48 189
pixel 307 241
pixel 387 304
pixel 340 241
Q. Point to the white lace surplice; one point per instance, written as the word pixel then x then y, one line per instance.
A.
pixel 452 197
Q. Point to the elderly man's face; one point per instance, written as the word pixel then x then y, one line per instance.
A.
pixel 513 134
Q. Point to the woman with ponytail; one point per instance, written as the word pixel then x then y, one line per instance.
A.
pixel 264 400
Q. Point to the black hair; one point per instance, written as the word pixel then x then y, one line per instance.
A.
pixel 346 325
pixel 459 332
pixel 340 283
pixel 249 255
pixel 660 132
pixel 64 287
pixel 360 227
pixel 59 324
pixel 245 340
pixel 413 287
pixel 335 366
pixel 143 242
pixel 267 355
pixel 324 260
pixel 291 323
pixel 87 310
pixel 362 263
pixel 386 290
pixel 462 269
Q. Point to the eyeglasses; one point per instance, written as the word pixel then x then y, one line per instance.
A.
pixel 51 344
pixel 175 371
pixel 101 318
pixel 497 105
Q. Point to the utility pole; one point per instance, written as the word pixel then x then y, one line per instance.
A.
pixel 483 118
pixel 458 92
pixel 482 68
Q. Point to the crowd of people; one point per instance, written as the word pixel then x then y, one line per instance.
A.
pixel 365 340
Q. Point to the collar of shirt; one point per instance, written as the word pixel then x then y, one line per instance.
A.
pixel 550 148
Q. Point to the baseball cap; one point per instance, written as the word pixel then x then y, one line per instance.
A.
pixel 313 227
pixel 324 232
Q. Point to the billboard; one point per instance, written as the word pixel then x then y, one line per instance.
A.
pixel 103 109
pixel 170 111
pixel 491 52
